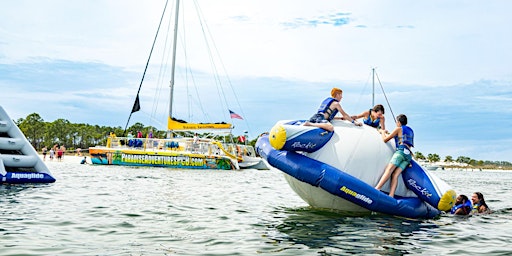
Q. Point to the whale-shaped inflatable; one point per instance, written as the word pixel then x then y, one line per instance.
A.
pixel 338 170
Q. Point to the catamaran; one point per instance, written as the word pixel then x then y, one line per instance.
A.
pixel 186 150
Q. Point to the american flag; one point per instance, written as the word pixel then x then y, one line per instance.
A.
pixel 234 115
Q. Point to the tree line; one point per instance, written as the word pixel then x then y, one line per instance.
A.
pixel 432 158
pixel 62 132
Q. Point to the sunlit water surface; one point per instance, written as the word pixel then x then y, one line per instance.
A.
pixel 110 210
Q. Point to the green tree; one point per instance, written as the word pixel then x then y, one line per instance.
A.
pixel 136 127
pixel 84 136
pixel 34 128
pixel 448 159
pixel 419 155
pixel 59 132
pixel 433 158
pixel 463 159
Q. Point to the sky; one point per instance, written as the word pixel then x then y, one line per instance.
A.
pixel 445 64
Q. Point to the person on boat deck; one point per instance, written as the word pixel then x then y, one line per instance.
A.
pixel 328 110
pixel 373 117
pixel 479 205
pixel 462 206
pixel 195 142
pixel 404 139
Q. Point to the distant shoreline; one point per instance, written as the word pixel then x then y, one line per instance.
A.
pixel 476 169
pixel 462 166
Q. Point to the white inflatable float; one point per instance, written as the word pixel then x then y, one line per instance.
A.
pixel 338 170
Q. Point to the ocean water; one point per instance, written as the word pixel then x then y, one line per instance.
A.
pixel 111 210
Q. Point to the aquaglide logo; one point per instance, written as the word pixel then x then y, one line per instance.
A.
pixel 28 175
pixel 356 195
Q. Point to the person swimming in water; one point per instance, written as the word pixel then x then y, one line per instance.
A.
pixel 479 205
pixel 462 206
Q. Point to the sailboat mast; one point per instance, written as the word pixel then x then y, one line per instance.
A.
pixel 173 64
pixel 373 87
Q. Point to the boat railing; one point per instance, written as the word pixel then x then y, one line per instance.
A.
pixel 246 150
pixel 238 151
pixel 200 146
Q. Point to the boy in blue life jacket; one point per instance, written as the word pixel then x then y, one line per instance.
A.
pixel 404 139
pixel 328 110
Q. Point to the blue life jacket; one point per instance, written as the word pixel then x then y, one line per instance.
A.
pixel 324 108
pixel 368 121
pixel 406 139
pixel 466 204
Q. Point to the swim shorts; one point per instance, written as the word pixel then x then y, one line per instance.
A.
pixel 400 159
pixel 318 118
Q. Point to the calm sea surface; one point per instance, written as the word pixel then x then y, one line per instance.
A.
pixel 109 210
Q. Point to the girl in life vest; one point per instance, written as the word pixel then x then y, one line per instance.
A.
pixel 404 139
pixel 373 117
pixel 479 205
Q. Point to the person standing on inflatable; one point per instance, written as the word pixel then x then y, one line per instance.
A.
pixel 328 110
pixel 404 139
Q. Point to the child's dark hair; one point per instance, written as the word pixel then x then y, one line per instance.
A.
pixel 378 108
pixel 402 119
pixel 481 198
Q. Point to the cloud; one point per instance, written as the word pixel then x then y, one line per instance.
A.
pixel 76 91
pixel 335 19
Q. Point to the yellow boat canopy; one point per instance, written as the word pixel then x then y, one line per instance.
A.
pixel 174 125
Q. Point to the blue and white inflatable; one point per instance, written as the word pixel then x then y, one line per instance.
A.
pixel 338 170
